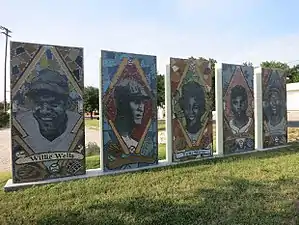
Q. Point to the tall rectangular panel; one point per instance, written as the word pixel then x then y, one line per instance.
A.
pixel 274 107
pixel 192 100
pixel 238 114
pixel 47 132
pixel 129 90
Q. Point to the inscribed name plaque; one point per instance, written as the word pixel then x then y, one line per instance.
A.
pixel 238 118
pixel 192 100
pixel 274 107
pixel 129 110
pixel 47 132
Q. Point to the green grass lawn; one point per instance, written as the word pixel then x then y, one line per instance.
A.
pixel 261 188
pixel 92 124
pixel 161 125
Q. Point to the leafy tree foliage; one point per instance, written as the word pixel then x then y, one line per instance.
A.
pixel 275 64
pixel 91 99
pixel 213 63
pixel 247 64
pixel 160 90
pixel 4 119
pixel 292 72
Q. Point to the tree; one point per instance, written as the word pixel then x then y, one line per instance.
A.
pixel 91 100
pixel 248 64
pixel 160 90
pixel 4 116
pixel 275 65
pixel 213 63
pixel 2 106
pixel 292 72
pixel 4 119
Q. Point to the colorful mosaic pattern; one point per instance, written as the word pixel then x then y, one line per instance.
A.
pixel 192 100
pixel 274 108
pixel 238 124
pixel 129 110
pixel 47 133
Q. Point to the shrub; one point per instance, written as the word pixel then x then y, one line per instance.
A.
pixel 4 119
pixel 92 149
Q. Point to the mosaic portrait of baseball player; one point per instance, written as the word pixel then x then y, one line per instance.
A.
pixel 238 118
pixel 129 110
pixel 275 124
pixel 47 112
pixel 191 84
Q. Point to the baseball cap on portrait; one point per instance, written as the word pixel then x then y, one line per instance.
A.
pixel 49 80
pixel 131 88
pixel 275 86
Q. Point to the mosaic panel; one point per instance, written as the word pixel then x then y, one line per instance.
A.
pixel 275 123
pixel 129 110
pixel 192 100
pixel 238 102
pixel 47 133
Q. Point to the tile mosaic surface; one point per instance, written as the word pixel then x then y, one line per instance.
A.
pixel 191 85
pixel 47 112
pixel 129 110
pixel 274 108
pixel 238 102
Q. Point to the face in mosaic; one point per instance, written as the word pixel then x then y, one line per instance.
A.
pixel 238 123
pixel 191 84
pixel 129 110
pixel 274 108
pixel 47 112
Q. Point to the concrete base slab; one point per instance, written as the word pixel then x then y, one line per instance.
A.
pixel 252 151
pixel 10 186
pixel 273 148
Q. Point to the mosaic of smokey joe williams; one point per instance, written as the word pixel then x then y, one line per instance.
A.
pixel 238 108
pixel 191 83
pixel 274 107
pixel 47 111
pixel 130 120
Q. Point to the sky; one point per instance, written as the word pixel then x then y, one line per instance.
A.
pixel 231 31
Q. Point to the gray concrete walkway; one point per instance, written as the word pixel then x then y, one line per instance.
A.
pixel 5 160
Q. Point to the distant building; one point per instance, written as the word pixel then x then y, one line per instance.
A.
pixel 292 101
pixel 293 96
pixel 161 113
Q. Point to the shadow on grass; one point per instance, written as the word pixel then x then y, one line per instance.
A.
pixel 235 201
pixel 274 153
pixel 94 162
pixel 161 129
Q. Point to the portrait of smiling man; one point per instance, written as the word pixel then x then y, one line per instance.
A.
pixel 275 114
pixel 48 123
